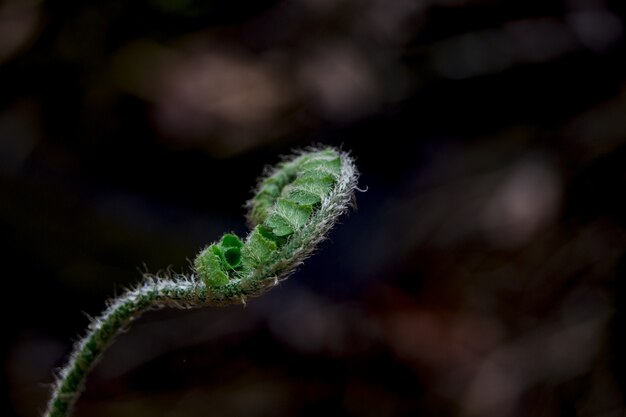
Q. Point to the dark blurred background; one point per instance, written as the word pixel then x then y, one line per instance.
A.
pixel 482 274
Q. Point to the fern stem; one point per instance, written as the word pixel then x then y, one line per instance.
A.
pixel 294 208
pixel 152 294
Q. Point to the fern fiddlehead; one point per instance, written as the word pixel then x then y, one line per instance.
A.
pixel 293 209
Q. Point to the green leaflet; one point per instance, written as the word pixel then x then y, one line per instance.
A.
pixel 259 247
pixel 288 216
pixel 214 263
pixel 209 267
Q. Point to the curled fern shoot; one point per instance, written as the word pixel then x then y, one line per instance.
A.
pixel 293 209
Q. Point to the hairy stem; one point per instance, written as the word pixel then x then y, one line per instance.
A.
pixel 153 294
pixel 294 208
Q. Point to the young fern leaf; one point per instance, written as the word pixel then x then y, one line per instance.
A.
pixel 293 209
